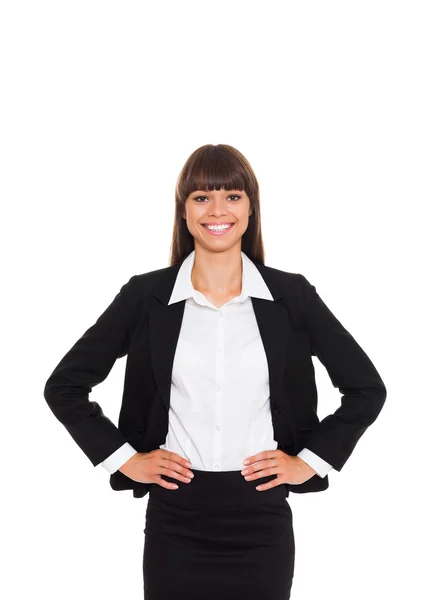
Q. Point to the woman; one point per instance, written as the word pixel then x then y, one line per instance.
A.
pixel 218 420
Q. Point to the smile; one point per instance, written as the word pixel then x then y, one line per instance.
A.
pixel 219 230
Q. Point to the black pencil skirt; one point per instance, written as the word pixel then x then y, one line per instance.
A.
pixel 218 537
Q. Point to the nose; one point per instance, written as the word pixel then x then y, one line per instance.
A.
pixel 218 209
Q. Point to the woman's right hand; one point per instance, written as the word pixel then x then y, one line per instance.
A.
pixel 147 467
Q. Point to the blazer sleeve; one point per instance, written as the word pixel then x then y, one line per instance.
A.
pixel 85 365
pixel 351 371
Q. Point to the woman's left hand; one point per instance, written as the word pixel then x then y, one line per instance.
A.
pixel 289 469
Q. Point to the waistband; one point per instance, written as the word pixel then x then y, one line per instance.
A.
pixel 220 488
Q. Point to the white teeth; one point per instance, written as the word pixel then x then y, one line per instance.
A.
pixel 217 227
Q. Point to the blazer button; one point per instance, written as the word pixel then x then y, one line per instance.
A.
pixel 277 410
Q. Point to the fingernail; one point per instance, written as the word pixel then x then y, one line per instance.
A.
pixel 188 464
pixel 246 462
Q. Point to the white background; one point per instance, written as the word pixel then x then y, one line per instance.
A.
pixel 101 104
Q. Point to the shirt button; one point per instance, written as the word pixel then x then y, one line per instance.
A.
pixel 216 467
pixel 217 427
pixel 219 388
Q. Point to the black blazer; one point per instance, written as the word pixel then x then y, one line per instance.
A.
pixel 294 327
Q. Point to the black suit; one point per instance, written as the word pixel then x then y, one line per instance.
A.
pixel 294 327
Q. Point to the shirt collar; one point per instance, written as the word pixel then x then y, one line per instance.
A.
pixel 253 284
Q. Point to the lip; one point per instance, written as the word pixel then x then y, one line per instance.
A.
pixel 219 232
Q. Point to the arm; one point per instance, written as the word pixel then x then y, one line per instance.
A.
pixel 85 365
pixel 351 371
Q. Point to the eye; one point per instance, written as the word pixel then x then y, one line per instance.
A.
pixel 237 196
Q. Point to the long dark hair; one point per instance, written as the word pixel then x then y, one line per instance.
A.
pixel 213 167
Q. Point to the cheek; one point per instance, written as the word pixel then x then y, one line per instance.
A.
pixel 194 216
pixel 243 219
pixel 194 227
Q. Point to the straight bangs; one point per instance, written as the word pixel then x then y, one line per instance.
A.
pixel 214 168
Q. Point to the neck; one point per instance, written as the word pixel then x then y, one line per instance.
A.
pixel 217 272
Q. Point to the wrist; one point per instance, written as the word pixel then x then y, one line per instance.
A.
pixel 310 470
pixel 129 461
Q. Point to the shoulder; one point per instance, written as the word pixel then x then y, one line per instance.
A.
pixel 286 282
pixel 152 277
pixel 141 284
pixel 284 276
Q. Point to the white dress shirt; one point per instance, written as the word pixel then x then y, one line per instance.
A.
pixel 220 398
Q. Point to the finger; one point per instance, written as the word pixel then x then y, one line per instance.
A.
pixel 260 456
pixel 166 484
pixel 176 468
pixel 262 473
pixel 263 464
pixel 268 485
pixel 262 487
pixel 178 459
pixel 172 472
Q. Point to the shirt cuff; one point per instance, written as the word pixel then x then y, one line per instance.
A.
pixel 320 466
pixel 118 458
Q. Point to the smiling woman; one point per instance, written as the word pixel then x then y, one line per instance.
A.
pixel 223 522
pixel 219 369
